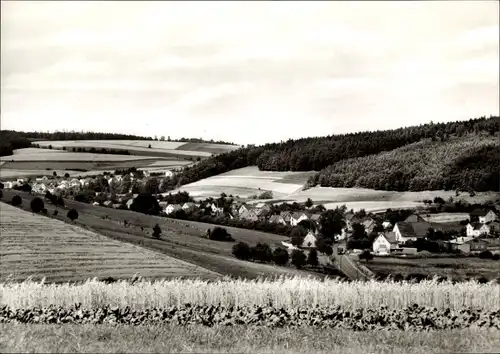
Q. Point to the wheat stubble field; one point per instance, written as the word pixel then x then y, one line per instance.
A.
pixel 37 246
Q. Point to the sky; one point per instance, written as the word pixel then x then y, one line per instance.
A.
pixel 246 72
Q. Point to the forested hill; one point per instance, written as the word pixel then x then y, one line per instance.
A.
pixel 318 153
pixel 470 162
pixel 106 136
pixel 10 141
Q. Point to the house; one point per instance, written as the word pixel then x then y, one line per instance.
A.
pixel 108 203
pixel 315 218
pixel 289 246
pixel 406 231
pixel 188 206
pixel 297 217
pixel 386 225
pixel 277 219
pixel 249 215
pixel 95 204
pixel 385 243
pixel 369 225
pixel 468 244
pixel 477 229
pixel 172 208
pixel 216 210
pixel 309 240
pixel 8 185
pixel 117 206
pixel 483 216
pixel 262 209
pixel 341 236
pixel 414 218
pixel 243 209
pixel 235 208
pixel 39 188
pixel 286 216
pixel 349 220
pixel 20 180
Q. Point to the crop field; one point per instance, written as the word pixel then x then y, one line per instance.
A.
pixel 446 217
pixel 457 268
pixel 38 246
pixel 70 156
pixel 246 182
pixel 168 148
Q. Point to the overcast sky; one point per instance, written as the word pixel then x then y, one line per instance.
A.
pixel 248 72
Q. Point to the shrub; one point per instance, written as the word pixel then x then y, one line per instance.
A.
pixel 37 205
pixel 55 212
pixel 486 255
pixel 496 257
pixel 157 231
pixel 72 215
pixel 44 211
pixel 219 234
pixel 366 255
pixel 262 252
pixel 66 175
pixel 242 251
pixel 298 258
pixel 1 185
pixel 1 194
pixel 323 247
pixel 280 256
pixel 312 258
pixel 17 200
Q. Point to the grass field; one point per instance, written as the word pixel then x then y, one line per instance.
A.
pixel 456 268
pixel 180 239
pixel 248 181
pixel 446 217
pixel 199 339
pixel 38 246
pixel 167 148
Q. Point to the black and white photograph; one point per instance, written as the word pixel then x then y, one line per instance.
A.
pixel 250 177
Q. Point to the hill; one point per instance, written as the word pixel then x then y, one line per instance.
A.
pixel 38 246
pixel 315 154
pixel 468 162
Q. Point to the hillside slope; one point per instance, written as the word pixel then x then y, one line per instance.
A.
pixel 315 154
pixel 468 162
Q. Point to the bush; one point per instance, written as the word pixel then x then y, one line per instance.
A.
pixel 366 255
pixel 496 257
pixel 157 231
pixel 37 205
pixel 44 211
pixel 72 215
pixel 312 258
pixel 262 252
pixel 219 234
pixel 323 247
pixel 298 258
pixel 486 255
pixel 1 194
pixel 17 200
pixel 280 256
pixel 1 185
pixel 55 212
pixel 66 175
pixel 242 251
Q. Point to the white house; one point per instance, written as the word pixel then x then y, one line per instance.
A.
pixel 296 218
pixel 406 231
pixel 341 236
pixel 289 245
pixel 242 209
pixel 39 188
pixel 171 208
pixel 386 225
pixel 129 203
pixel 483 215
pixel 477 229
pixel 309 240
pixel 216 210
pixel 384 243
pixel 8 184
pixel 277 219
pixel 188 206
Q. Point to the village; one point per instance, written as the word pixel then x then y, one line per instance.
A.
pixel 359 231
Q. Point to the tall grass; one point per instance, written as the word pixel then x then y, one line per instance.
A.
pixel 283 292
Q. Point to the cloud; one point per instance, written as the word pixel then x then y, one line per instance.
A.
pixel 246 71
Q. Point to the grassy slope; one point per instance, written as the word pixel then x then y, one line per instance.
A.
pixel 181 239
pixel 239 339
pixel 34 245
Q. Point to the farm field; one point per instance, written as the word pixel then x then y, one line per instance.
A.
pixel 180 239
pixel 456 268
pixel 200 339
pixel 37 246
pixel 167 148
pixel 246 182
pixel 446 217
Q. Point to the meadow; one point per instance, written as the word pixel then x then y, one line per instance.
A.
pixel 38 246
pixel 168 148
pixel 185 240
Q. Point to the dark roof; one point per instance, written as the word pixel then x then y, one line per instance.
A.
pixel 414 229
pixel 480 212
pixel 414 218
pixel 477 226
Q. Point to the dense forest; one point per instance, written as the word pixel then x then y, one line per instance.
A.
pixel 11 140
pixel 106 136
pixel 318 153
pixel 463 163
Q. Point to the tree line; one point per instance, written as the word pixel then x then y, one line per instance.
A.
pixel 318 153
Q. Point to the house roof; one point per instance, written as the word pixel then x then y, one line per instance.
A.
pixel 480 212
pixel 414 218
pixel 415 229
pixel 349 216
pixel 315 217
pixel 477 225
